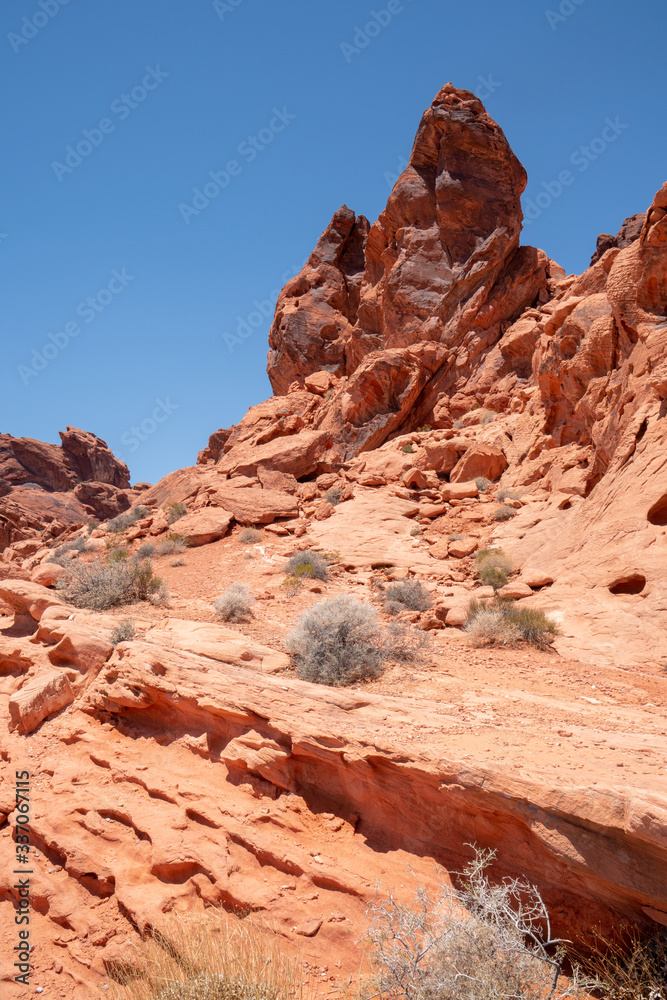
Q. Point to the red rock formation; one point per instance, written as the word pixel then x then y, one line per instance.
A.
pixel 49 487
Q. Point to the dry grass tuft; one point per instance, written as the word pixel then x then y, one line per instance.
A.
pixel 208 957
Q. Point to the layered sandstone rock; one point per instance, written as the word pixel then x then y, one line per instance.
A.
pixel 48 487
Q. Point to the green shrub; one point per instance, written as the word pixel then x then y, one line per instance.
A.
pixel 408 449
pixel 307 564
pixel 249 536
pixel 126 520
pixel 493 567
pixel 175 511
pixel 235 604
pixel 503 513
pixel 425 428
pixel 123 632
pixel 506 623
pixel 100 585
pixel 409 594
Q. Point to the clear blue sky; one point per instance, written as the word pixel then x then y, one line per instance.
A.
pixel 179 87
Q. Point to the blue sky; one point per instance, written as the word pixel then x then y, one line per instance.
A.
pixel 131 292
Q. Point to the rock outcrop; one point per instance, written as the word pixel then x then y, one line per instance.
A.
pixel 48 487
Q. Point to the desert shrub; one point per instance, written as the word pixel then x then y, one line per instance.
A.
pixel 177 562
pixel 207 956
pixel 249 536
pixel 415 531
pixel 482 483
pixel 333 495
pixel 123 632
pixel 100 585
pixel 487 417
pixel 505 494
pixel 124 521
pixel 456 536
pixel 92 524
pixel 404 644
pixel 458 424
pixel 338 641
pixel 425 427
pixel 308 564
pixel 235 604
pixel 480 941
pixel 506 623
pixel 407 449
pixel 410 594
pixel 632 967
pixel 172 544
pixel 175 511
pixel 493 567
pixel 60 555
pixel 488 625
pixel 503 513
pixel 118 553
pixel 146 550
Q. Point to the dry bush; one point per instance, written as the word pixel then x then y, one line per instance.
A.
pixel 503 513
pixel 123 632
pixel 482 483
pixel 308 564
pixel 506 494
pixel 146 550
pixel 504 623
pixel 415 531
pixel 333 496
pixel 126 520
pixel 175 511
pixel 208 957
pixel 478 942
pixel 172 544
pixel 61 556
pixel 177 561
pixel 493 567
pixel 341 641
pixel 100 585
pixel 249 536
pixel 411 595
pixel 235 604
pixel 633 967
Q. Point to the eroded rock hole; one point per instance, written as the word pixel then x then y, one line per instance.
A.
pixel 658 512
pixel 633 584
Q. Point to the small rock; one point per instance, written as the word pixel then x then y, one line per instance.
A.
pixel 309 927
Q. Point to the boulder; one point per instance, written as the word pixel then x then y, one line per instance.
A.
pixel 480 460
pixel 38 699
pixel 48 574
pixel 462 547
pixel 459 491
pixel 515 591
pixel 204 526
